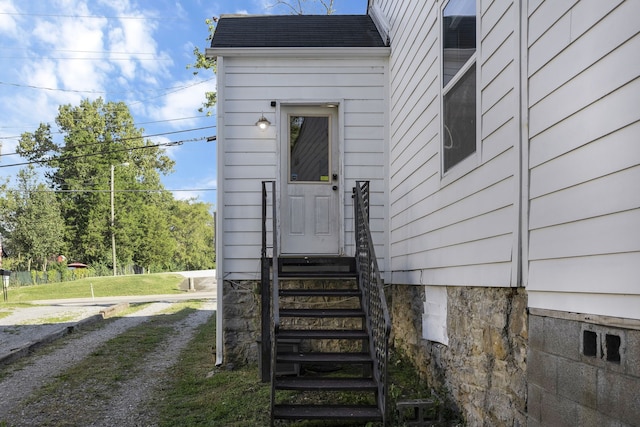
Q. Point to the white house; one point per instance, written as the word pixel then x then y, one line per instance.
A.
pixel 501 138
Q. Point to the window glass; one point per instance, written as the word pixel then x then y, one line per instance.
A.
pixel 459 36
pixel 309 148
pixel 459 139
pixel 458 81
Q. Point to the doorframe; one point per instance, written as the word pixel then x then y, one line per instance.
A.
pixel 328 103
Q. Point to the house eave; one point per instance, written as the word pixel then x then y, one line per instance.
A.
pixel 300 52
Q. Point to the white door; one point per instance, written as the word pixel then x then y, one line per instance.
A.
pixel 310 194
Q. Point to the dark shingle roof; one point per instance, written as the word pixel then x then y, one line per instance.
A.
pixel 296 31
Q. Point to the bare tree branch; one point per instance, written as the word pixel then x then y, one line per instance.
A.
pixel 298 7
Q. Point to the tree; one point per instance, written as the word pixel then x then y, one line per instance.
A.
pixel 193 230
pixel 202 62
pixel 295 7
pixel 301 7
pixel 97 135
pixel 35 227
pixel 156 245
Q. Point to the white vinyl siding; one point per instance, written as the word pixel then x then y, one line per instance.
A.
pixel 456 230
pixel 251 156
pixel 584 108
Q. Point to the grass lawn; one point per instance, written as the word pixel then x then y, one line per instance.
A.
pixel 132 285
pixel 199 394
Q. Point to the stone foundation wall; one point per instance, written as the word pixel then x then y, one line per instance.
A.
pixel 482 372
pixel 241 320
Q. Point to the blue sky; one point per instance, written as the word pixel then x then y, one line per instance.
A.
pixel 58 52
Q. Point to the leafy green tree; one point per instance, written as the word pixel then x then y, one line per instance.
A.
pixel 97 135
pixel 34 228
pixel 156 250
pixel 193 230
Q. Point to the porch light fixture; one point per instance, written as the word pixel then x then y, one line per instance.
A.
pixel 263 123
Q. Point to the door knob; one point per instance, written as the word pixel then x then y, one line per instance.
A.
pixel 335 188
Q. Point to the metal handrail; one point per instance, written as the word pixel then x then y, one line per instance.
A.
pixel 274 304
pixel 371 286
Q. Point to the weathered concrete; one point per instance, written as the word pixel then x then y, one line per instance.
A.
pixel 482 372
pixel 570 386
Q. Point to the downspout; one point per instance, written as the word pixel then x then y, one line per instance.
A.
pixel 521 251
pixel 220 256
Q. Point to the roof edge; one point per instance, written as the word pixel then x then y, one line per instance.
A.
pixel 299 52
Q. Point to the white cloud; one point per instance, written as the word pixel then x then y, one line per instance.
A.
pixel 184 102
pixel 192 193
pixel 8 24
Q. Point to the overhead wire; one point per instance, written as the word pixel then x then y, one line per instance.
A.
pixel 80 156
pixel 134 124
pixel 133 138
pixel 52 15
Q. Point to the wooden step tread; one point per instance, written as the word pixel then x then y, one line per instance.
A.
pixel 338 334
pixel 324 357
pixel 322 312
pixel 325 384
pixel 320 292
pixel 335 412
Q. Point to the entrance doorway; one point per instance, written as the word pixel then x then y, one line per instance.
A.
pixel 310 204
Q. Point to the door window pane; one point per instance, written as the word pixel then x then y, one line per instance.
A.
pixel 309 148
pixel 460 120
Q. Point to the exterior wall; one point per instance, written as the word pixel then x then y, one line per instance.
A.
pixel 481 373
pixel 581 246
pixel 459 230
pixel 570 388
pixel 584 226
pixel 248 156
pixel 456 229
pixel 584 160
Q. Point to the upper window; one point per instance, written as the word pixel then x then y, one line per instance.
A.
pixel 458 81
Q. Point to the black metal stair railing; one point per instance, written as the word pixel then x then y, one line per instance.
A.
pixel 374 302
pixel 270 347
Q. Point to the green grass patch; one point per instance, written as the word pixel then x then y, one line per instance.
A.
pixel 201 395
pixel 132 285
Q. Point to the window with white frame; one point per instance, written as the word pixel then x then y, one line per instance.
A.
pixel 458 81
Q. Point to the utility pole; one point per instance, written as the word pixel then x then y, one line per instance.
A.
pixel 113 219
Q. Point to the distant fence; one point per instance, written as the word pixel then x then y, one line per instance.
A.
pixel 33 277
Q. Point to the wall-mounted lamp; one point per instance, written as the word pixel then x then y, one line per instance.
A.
pixel 263 123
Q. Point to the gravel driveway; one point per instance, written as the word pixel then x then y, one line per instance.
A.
pixel 128 407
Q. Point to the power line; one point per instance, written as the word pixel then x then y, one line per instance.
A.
pixel 133 138
pixel 25 48
pixel 50 15
pixel 135 124
pixel 109 191
pixel 88 59
pixel 169 89
pixel 66 158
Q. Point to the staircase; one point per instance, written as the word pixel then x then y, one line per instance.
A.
pixel 323 320
pixel 325 328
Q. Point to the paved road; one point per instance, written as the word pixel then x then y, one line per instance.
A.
pixel 49 319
